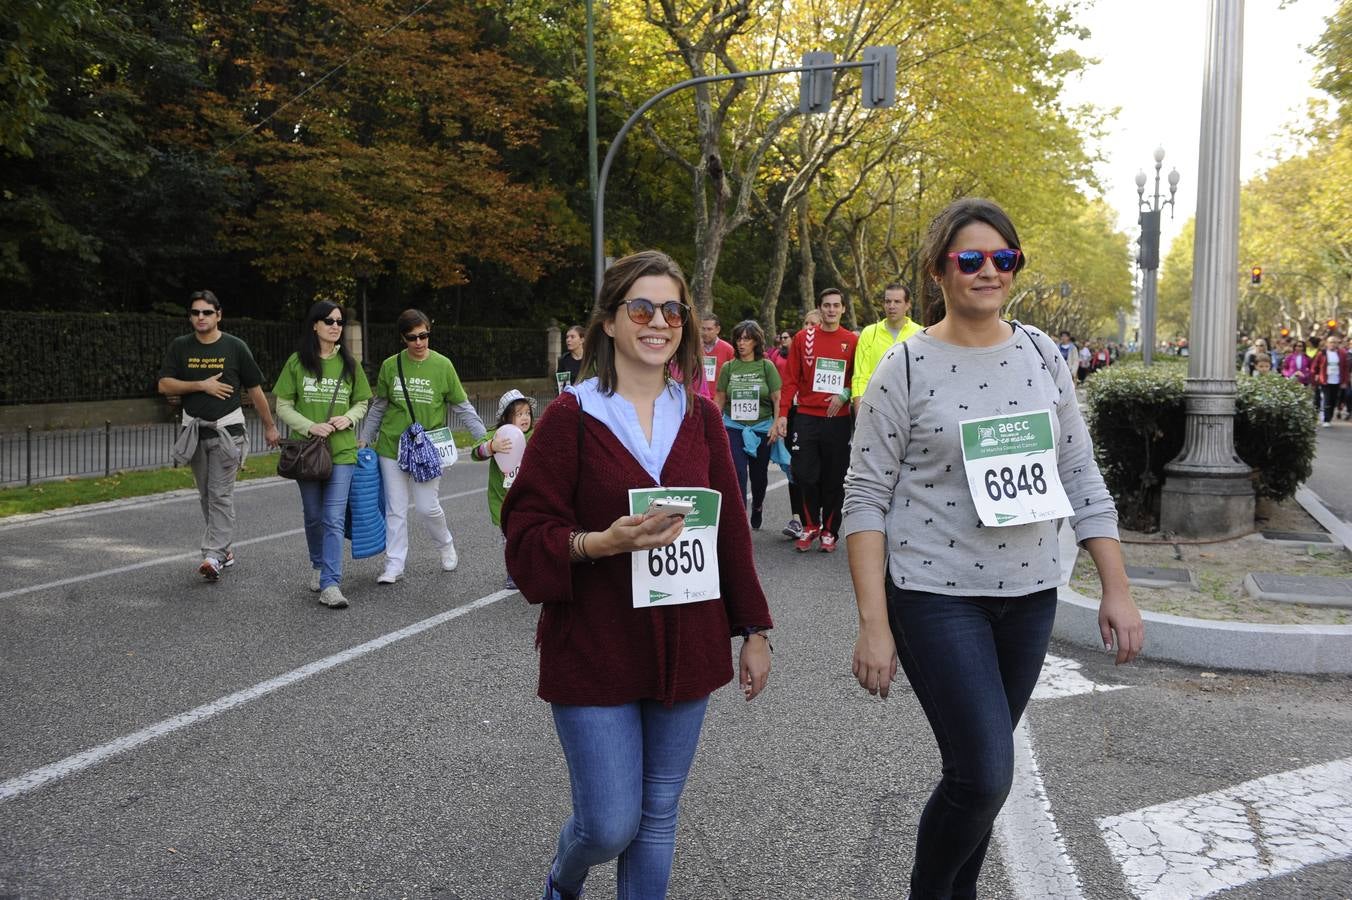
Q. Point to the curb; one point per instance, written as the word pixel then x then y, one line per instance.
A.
pixel 107 506
pixel 1297 649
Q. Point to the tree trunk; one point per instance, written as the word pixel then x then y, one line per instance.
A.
pixel 807 276
pixel 779 261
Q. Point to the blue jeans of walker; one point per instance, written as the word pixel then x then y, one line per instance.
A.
pixel 759 466
pixel 325 505
pixel 973 663
pixel 627 765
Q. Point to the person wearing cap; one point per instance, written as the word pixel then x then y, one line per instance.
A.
pixel 514 408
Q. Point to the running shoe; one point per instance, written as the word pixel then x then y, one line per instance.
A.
pixel 449 559
pixel 756 519
pixel 390 576
pixel 229 559
pixel 210 569
pixel 314 580
pixel 828 543
pixel 332 597
pixel 804 543
pixel 794 529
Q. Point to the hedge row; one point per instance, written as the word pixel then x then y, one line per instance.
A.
pixel 1137 419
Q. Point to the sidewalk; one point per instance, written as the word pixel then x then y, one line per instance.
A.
pixel 1220 644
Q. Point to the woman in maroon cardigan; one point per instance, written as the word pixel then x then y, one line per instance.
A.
pixel 633 635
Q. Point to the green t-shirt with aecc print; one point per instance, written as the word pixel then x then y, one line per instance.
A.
pixel 311 398
pixel 760 374
pixel 432 383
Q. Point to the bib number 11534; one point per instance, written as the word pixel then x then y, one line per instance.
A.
pixel 1011 469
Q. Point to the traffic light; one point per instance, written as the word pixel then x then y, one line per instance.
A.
pixel 1256 275
pixel 1285 332
pixel 1332 324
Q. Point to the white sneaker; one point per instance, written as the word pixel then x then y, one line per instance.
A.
pixel 332 597
pixel 1325 424
pixel 314 581
pixel 449 559
pixel 390 576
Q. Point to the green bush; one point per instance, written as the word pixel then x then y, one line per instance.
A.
pixel 1137 419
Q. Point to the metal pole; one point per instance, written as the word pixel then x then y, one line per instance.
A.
pixel 1207 490
pixel 591 106
pixel 598 217
pixel 107 448
pixel 28 465
pixel 1148 284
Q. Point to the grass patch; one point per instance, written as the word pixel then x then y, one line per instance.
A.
pixel 80 491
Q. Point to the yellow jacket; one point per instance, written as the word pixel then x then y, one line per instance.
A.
pixel 874 341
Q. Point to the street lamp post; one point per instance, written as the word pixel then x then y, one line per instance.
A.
pixel 1207 489
pixel 1149 258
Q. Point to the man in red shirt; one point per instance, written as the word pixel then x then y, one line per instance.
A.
pixel 821 364
pixel 714 350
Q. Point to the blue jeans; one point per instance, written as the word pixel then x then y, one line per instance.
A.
pixel 628 765
pixel 973 663
pixel 760 468
pixel 325 505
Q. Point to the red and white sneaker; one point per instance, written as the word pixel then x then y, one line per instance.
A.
pixel 210 569
pixel 804 543
pixel 828 543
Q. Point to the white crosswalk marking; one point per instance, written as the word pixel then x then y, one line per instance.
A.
pixel 1030 842
pixel 1202 845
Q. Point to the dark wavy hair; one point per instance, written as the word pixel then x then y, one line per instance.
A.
pixel 308 348
pixel 957 216
pixel 598 354
pixel 749 328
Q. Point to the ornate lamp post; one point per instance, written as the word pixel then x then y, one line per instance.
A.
pixel 1149 258
pixel 1207 491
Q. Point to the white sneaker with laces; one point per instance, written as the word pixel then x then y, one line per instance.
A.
pixel 449 558
pixel 314 581
pixel 332 597
pixel 389 576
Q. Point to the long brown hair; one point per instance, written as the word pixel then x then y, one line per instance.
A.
pixel 598 353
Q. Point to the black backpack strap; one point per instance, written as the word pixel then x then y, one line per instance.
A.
pixel 1048 364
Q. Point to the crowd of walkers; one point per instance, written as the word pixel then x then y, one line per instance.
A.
pixel 945 458
pixel 1320 364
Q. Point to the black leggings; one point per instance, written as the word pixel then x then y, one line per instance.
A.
pixel 821 457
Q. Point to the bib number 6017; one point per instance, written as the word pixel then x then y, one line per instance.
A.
pixel 681 557
pixel 1004 483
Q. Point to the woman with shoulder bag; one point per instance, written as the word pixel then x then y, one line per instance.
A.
pixel 416 385
pixel 629 655
pixel 323 393
pixel 956 577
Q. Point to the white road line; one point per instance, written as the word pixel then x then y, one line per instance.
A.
pixel 177 557
pixel 1199 846
pixel 1035 855
pixel 32 780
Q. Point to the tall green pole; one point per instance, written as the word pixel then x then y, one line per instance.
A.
pixel 591 115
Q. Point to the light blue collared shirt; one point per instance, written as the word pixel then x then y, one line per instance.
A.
pixel 618 414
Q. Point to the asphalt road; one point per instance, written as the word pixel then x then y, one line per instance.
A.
pixel 250 743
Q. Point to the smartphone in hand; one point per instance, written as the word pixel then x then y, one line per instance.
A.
pixel 666 506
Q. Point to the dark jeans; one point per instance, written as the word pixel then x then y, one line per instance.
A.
pixel 821 456
pixel 973 663
pixel 1331 394
pixel 760 467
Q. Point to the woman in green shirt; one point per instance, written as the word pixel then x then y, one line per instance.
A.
pixel 748 394
pixel 322 392
pixel 430 386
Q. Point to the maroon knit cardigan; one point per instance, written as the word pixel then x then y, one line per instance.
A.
pixel 595 648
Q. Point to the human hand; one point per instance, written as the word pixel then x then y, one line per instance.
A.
pixel 501 443
pixel 340 423
pixel 754 665
pixel 780 428
pixel 215 387
pixel 629 533
pixel 1120 619
pixel 875 660
pixel 274 437
pixel 834 405
pixel 321 429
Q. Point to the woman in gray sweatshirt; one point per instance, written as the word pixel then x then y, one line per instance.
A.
pixel 969 448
